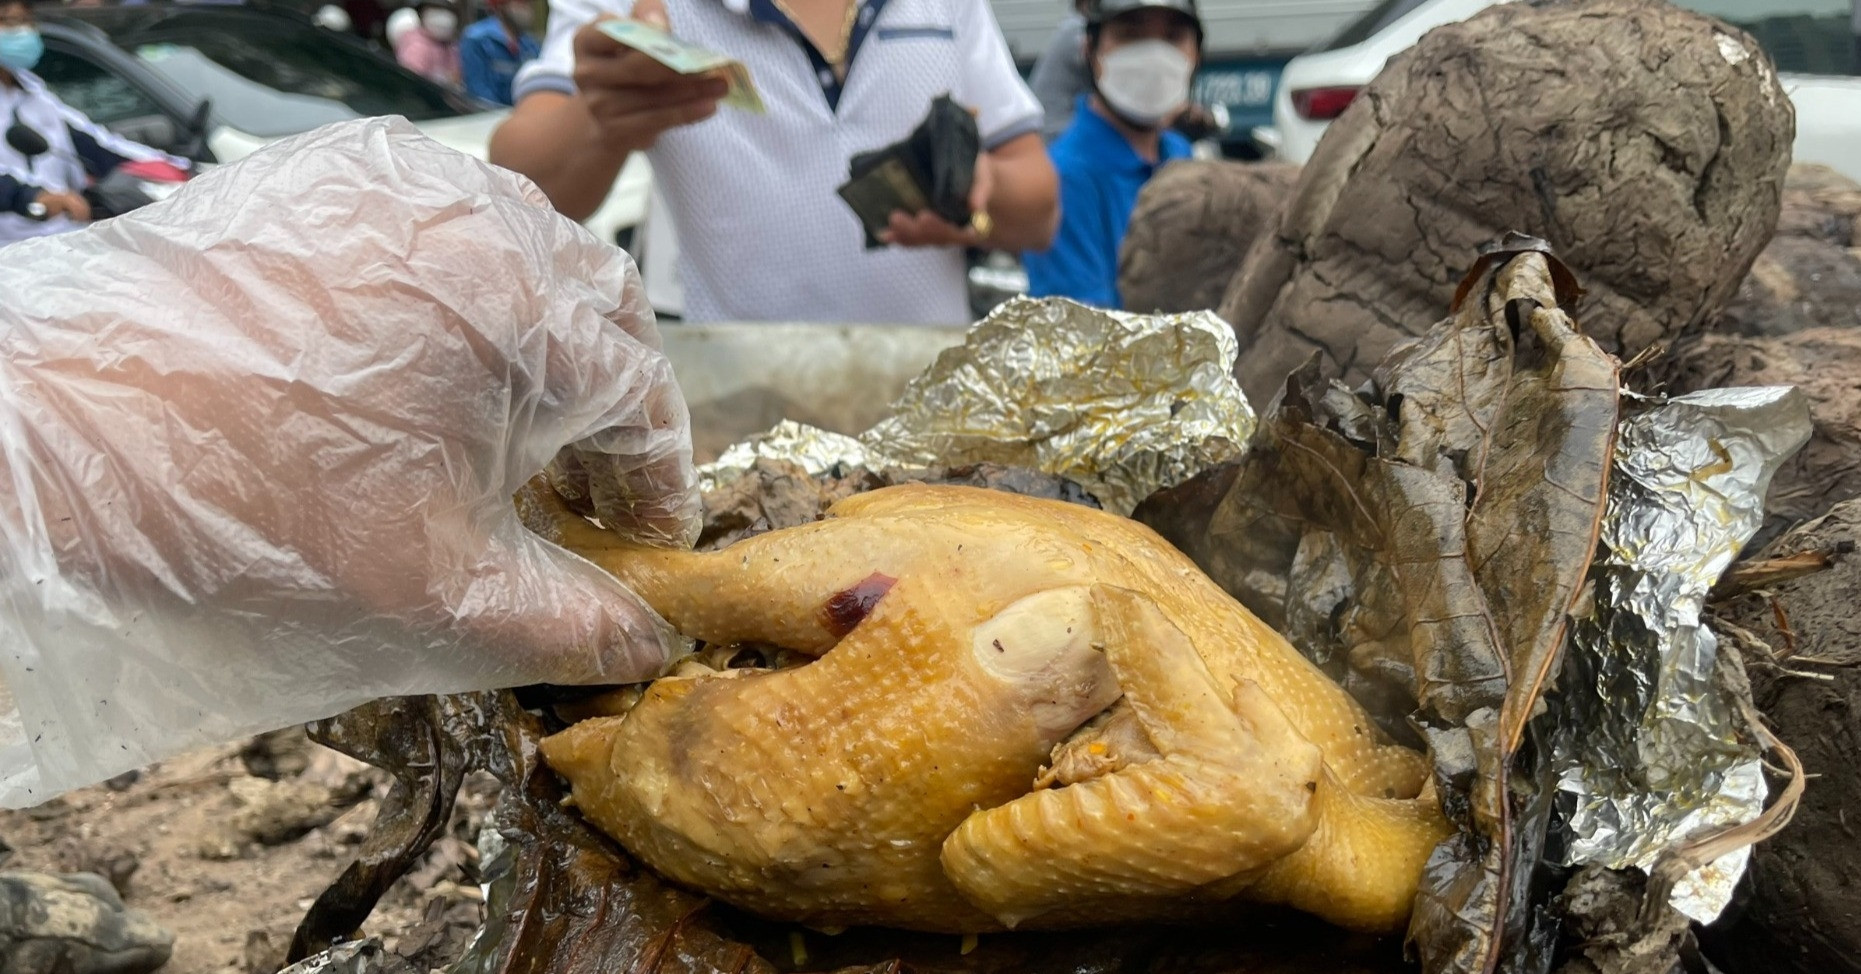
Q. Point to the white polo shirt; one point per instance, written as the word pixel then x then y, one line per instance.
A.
pixel 761 233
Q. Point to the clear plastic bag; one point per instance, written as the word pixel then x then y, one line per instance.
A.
pixel 258 444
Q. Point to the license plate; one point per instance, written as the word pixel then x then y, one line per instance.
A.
pixel 1246 89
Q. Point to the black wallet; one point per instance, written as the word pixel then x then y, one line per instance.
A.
pixel 933 169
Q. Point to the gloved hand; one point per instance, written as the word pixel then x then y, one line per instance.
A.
pixel 258 444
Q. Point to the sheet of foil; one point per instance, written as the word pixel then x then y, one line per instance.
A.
pixel 1659 757
pixel 355 957
pixel 815 450
pixel 1122 404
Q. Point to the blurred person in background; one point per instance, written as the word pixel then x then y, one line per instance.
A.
pixel 1061 74
pixel 367 18
pixel 42 185
pixel 398 24
pixel 1143 55
pixel 762 234
pixel 333 19
pixel 492 50
pixel 430 48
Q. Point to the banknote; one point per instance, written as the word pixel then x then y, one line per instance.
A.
pixel 688 58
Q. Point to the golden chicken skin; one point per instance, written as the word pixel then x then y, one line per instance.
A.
pixel 1023 713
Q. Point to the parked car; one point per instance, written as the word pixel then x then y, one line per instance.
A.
pixel 1811 42
pixel 1248 43
pixel 217 82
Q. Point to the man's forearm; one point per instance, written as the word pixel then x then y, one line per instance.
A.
pixel 551 138
pixel 1025 205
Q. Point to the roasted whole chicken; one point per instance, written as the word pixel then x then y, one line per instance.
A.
pixel 1023 713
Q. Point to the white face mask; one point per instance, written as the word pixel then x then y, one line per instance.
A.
pixel 521 15
pixel 441 24
pixel 1146 81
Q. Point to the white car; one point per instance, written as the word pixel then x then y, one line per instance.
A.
pixel 1811 41
pixel 217 82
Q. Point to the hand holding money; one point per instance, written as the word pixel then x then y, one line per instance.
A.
pixel 926 229
pixel 657 42
pixel 633 97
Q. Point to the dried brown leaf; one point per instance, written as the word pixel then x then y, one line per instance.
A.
pixel 1424 540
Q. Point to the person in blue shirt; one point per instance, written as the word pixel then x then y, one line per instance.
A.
pixel 1143 54
pixel 491 51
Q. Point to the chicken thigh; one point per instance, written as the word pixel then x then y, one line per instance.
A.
pixel 1023 713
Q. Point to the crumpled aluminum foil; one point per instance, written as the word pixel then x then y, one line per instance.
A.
pixel 1659 756
pixel 814 450
pixel 1122 404
pixel 354 957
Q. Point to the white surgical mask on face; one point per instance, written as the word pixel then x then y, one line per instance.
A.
pixel 442 24
pixel 1146 81
pixel 521 14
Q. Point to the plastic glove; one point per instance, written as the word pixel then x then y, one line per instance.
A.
pixel 258 444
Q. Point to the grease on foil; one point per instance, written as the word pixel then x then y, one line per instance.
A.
pixel 1657 756
pixel 1122 404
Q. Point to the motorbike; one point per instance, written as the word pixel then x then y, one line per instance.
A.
pixel 1204 126
pixel 130 186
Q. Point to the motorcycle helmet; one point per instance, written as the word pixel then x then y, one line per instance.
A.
pixel 1099 11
